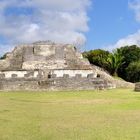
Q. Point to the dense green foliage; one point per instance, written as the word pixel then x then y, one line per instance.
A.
pixel 118 62
pixel 97 57
pixel 105 59
pixel 133 72
pixel 70 115
pixel 114 61
pixel 131 54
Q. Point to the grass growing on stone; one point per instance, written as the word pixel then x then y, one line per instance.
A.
pixel 75 115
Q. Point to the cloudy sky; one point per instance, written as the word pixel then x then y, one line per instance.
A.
pixel 114 23
pixel 92 23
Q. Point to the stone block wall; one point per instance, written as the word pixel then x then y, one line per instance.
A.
pixel 52 80
pixel 19 84
pixel 73 73
pixel 137 87
pixel 75 83
pixel 21 74
pixel 44 56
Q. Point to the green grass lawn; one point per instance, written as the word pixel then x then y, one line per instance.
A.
pixel 73 115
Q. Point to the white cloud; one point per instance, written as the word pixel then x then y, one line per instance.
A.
pixel 135 6
pixel 133 39
pixel 57 20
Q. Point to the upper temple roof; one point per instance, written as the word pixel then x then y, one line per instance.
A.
pixel 44 55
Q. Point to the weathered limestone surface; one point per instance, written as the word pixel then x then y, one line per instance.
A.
pixel 4 64
pixel 106 76
pixel 54 83
pixel 137 87
pixel 13 60
pixel 48 66
pixel 44 56
pixel 73 73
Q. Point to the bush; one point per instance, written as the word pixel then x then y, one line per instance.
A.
pixel 97 57
pixel 133 72
pixel 130 54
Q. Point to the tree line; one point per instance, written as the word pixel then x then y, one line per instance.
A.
pixel 123 62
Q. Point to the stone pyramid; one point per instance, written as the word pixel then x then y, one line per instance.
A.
pixel 44 55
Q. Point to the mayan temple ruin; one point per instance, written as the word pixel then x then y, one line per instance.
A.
pixel 48 66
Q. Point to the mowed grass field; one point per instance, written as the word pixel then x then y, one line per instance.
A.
pixel 70 115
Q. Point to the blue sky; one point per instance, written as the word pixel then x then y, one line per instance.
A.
pixel 110 21
pixel 105 24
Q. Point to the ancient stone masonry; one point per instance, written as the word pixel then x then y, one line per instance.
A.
pixel 48 66
pixel 137 87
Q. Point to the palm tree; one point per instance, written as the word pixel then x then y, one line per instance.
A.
pixel 114 61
